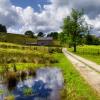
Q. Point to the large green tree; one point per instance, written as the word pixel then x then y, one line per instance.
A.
pixel 74 28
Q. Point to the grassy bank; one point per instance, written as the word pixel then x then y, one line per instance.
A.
pixel 27 58
pixel 75 87
pixel 89 52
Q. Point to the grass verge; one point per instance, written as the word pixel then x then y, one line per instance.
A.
pixel 75 87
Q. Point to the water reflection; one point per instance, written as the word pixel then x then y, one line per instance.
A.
pixel 45 86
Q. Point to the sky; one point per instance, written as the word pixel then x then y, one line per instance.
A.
pixel 45 15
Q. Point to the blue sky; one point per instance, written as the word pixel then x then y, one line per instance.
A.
pixel 33 3
pixel 22 15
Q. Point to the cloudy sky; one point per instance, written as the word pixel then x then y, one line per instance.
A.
pixel 45 15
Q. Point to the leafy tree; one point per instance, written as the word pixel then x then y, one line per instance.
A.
pixel 74 27
pixel 29 34
pixel 40 34
pixel 92 40
pixel 53 34
pixel 3 28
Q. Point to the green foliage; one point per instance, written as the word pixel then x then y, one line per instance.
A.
pixel 3 28
pixel 29 34
pixel 55 50
pixel 40 34
pixel 54 35
pixel 74 26
pixel 92 40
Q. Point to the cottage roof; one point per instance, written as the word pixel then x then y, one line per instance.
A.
pixel 45 38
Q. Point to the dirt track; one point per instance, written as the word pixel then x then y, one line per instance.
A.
pixel 89 70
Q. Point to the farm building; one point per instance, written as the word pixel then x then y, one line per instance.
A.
pixel 42 41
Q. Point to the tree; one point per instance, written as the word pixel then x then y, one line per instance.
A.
pixel 40 34
pixel 3 28
pixel 74 26
pixel 29 34
pixel 92 40
pixel 53 34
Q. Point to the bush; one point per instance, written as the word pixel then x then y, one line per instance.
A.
pixel 53 50
pixel 58 50
pixel 52 61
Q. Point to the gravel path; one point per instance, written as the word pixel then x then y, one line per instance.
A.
pixel 89 70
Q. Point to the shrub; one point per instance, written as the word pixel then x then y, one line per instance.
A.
pixel 51 50
pixel 52 61
pixel 58 50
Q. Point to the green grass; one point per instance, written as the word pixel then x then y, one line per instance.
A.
pixel 76 88
pixel 89 52
pixel 10 53
pixel 21 39
pixel 15 38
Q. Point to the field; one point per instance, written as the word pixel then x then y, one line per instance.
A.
pixel 15 38
pixel 89 52
pixel 25 58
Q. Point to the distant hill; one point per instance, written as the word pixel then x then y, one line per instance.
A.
pixel 15 38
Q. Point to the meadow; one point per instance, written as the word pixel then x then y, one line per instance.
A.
pixel 89 52
pixel 15 38
pixel 16 57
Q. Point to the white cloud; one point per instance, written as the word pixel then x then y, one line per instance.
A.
pixel 18 19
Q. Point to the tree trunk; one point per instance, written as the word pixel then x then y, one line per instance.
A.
pixel 74 47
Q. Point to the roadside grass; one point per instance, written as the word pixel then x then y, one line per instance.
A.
pixel 75 87
pixel 89 52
